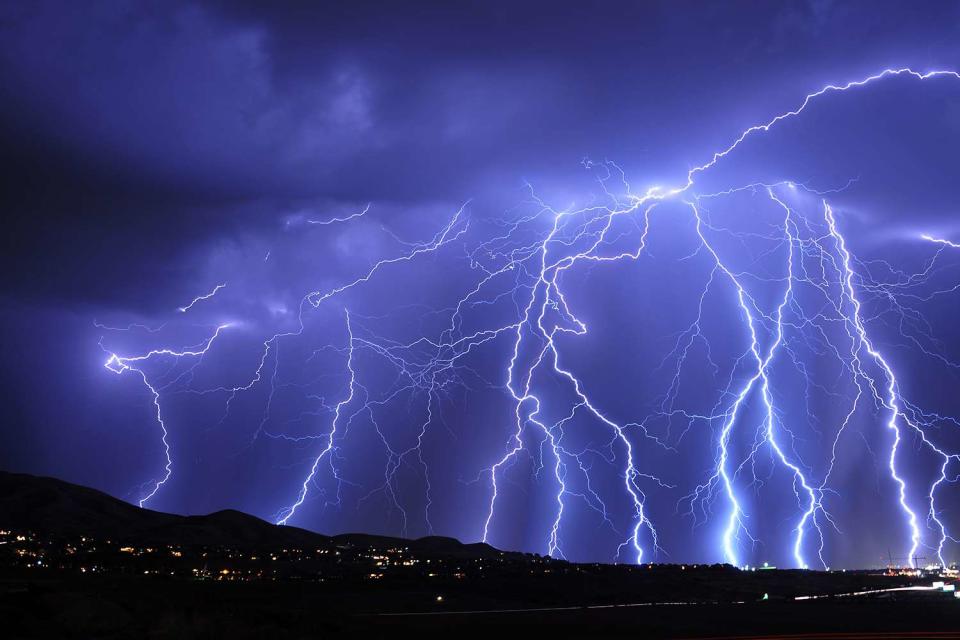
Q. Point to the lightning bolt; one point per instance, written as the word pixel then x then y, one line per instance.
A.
pixel 205 296
pixel 121 364
pixel 946 243
pixel 335 220
pixel 331 436
pixel 893 402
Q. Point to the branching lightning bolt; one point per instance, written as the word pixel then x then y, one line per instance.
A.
pixel 524 263
pixel 120 364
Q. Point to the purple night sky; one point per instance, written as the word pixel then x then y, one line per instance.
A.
pixel 473 269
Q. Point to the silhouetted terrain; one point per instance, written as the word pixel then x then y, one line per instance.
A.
pixel 77 563
pixel 51 506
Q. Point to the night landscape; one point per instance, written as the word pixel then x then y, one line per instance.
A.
pixel 467 319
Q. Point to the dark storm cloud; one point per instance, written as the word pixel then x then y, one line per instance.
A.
pixel 135 133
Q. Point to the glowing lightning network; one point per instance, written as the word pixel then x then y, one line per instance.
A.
pixel 813 299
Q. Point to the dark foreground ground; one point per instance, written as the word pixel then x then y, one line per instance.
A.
pixel 77 563
pixel 57 605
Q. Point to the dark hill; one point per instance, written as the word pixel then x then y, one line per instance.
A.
pixel 430 545
pixel 54 507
